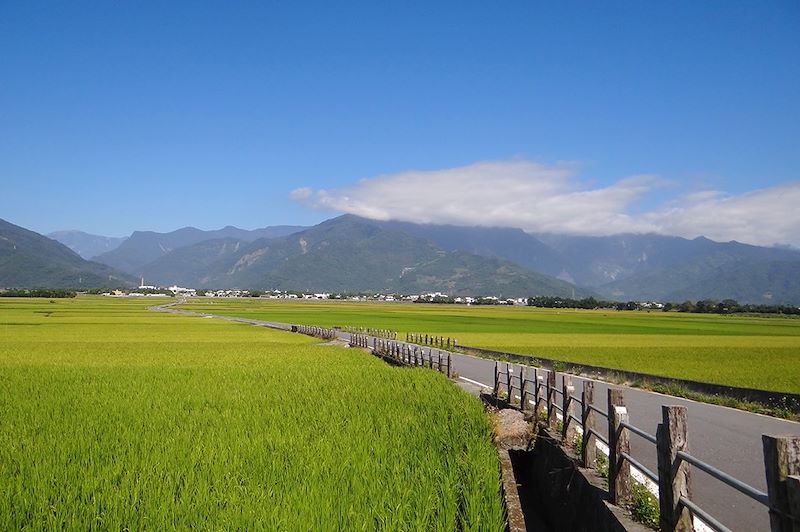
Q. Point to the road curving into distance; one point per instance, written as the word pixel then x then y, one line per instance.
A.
pixel 726 438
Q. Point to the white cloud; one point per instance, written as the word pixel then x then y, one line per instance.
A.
pixel 766 216
pixel 301 193
pixel 550 198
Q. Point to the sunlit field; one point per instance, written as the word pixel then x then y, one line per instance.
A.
pixel 115 417
pixel 757 352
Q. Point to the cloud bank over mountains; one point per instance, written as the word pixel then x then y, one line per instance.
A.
pixel 551 198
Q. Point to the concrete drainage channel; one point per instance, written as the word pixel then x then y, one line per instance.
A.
pixel 543 486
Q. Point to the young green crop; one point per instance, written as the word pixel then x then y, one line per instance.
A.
pixel 742 351
pixel 114 417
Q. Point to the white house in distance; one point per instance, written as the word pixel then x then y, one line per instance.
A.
pixel 182 291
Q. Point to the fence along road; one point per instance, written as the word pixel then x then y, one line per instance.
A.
pixel 726 438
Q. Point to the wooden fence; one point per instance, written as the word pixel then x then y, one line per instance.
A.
pixel 403 353
pixel 319 332
pixel 535 389
pixel 441 342
pixel 379 333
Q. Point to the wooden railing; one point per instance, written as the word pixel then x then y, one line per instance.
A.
pixel 443 342
pixel 535 389
pixel 319 332
pixel 405 354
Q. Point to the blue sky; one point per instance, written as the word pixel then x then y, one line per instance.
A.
pixel 680 117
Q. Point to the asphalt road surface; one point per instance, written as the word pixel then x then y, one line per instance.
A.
pixel 726 438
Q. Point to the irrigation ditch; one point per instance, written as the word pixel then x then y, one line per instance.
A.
pixel 628 480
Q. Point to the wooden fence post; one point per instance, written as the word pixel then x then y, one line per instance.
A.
pixel 782 466
pixel 495 390
pixel 448 365
pixel 552 418
pixel 568 426
pixel 619 469
pixel 509 370
pixel 674 478
pixel 540 408
pixel 589 447
pixel 522 402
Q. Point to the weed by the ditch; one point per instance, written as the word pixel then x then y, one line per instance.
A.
pixel 644 506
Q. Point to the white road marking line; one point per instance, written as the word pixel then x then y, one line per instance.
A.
pixel 475 382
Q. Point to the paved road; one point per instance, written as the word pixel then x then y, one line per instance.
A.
pixel 726 438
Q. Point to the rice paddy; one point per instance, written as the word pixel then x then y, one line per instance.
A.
pixel 114 417
pixel 746 351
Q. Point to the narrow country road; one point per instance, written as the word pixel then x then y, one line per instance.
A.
pixel 726 438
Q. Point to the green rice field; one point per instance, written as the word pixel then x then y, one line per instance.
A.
pixel 115 417
pixel 746 351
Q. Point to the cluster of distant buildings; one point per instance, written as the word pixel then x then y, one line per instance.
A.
pixel 145 290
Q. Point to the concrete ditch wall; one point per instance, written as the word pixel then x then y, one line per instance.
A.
pixel 564 496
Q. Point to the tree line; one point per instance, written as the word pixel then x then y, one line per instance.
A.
pixel 38 292
pixel 703 306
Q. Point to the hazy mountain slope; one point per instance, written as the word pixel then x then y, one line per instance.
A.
pixel 769 283
pixel 28 259
pixel 144 247
pixel 704 268
pixel 627 266
pixel 353 255
pixel 503 242
pixel 342 254
pixel 349 253
pixel 192 265
pixel 459 272
pixel 87 245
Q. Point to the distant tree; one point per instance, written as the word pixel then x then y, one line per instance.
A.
pixel 729 306
pixel 706 306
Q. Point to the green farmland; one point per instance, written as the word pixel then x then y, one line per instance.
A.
pixel 756 352
pixel 115 417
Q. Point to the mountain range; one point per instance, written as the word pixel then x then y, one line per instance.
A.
pixel 143 247
pixel 354 254
pixel 28 259
pixel 86 245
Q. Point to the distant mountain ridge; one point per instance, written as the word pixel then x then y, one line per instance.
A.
pixel 87 245
pixel 351 254
pixel 635 266
pixel 143 247
pixel 500 242
pixel 28 259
